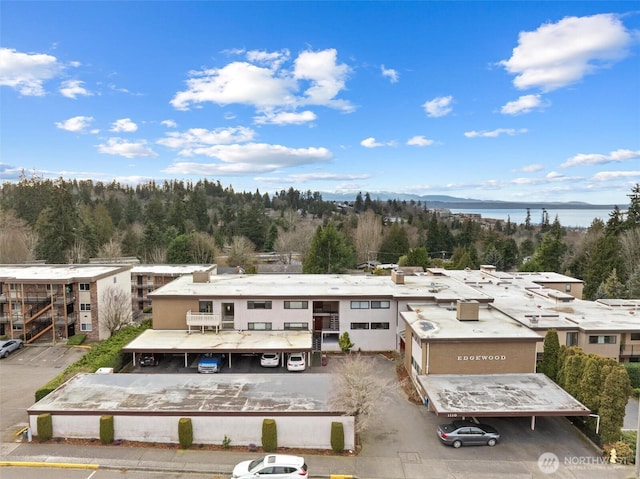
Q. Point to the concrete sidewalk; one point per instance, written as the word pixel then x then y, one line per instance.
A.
pixel 220 463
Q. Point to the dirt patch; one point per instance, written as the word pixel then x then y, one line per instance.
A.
pixel 197 447
pixel 407 384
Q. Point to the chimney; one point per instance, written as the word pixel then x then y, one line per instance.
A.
pixel 201 277
pixel 467 310
pixel 397 276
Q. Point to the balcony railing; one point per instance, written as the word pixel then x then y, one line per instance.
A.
pixel 203 320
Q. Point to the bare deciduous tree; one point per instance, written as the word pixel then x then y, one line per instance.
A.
pixel 78 252
pixel 115 309
pixel 241 252
pixel 111 249
pixel 359 389
pixel 368 235
pixel 630 249
pixel 17 239
pixel 203 248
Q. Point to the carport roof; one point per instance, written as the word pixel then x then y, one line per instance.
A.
pixel 193 394
pixel 496 395
pixel 165 341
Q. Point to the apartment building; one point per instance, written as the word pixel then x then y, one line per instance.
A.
pixel 53 302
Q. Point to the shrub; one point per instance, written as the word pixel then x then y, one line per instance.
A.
pixel 107 430
pixel 76 339
pixel 624 453
pixel 226 442
pixel 633 370
pixel 337 436
pixel 45 427
pixel 185 432
pixel 269 435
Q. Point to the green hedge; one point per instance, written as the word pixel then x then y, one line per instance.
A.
pixel 269 435
pixel 76 339
pixel 633 370
pixel 45 427
pixel 106 354
pixel 185 432
pixel 337 436
pixel 107 429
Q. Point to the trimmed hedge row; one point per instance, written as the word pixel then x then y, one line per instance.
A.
pixel 106 354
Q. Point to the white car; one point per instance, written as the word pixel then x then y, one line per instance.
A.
pixel 296 362
pixel 9 346
pixel 272 466
pixel 270 360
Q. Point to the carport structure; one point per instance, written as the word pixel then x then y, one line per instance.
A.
pixel 222 342
pixel 498 395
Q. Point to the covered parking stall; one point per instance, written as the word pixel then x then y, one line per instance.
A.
pixel 498 395
pixel 223 342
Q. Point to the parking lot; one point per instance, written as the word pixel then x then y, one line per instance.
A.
pixel 402 429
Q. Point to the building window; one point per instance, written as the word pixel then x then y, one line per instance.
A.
pixel 380 304
pixel 359 325
pixel 379 325
pixel 85 306
pixel 85 327
pixel 359 304
pixel 84 286
pixel 296 305
pixel 572 339
pixel 602 339
pixel 567 288
pixel 259 326
pixel 258 304
pixel 635 336
pixel 296 326
pixel 205 306
pixel 416 367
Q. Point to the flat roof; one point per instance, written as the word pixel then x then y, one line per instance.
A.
pixel 192 394
pixel 167 341
pixel 423 287
pixel 433 322
pixel 171 269
pixel 47 273
pixel 496 395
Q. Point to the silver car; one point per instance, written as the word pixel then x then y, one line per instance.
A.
pixel 467 433
pixel 9 346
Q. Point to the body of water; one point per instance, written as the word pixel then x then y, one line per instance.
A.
pixel 569 218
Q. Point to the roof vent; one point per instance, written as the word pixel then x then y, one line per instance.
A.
pixel 468 310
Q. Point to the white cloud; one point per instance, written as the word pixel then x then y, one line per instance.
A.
pixel 419 141
pixel 271 87
pixel 194 138
pixel 590 159
pixel 27 72
pixel 251 158
pixel 128 149
pixel 73 89
pixel 372 143
pixel 439 106
pixel 285 118
pixel 169 123
pixel 75 124
pixel 327 78
pixel 614 175
pixel 390 73
pixel 124 125
pixel 532 168
pixel 524 104
pixel 494 133
pixel 559 54
pixel 306 177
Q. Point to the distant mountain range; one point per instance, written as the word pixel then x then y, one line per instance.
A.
pixel 452 202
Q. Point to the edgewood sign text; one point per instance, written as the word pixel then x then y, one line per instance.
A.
pixel 482 358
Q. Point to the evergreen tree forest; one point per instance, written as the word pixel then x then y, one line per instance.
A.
pixel 73 221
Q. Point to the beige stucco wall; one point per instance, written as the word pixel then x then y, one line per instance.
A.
pixel 481 357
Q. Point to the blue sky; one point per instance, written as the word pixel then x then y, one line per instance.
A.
pixel 486 100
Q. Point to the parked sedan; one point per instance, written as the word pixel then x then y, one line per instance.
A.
pixel 273 466
pixel 9 346
pixel 270 360
pixel 467 433
pixel 296 362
